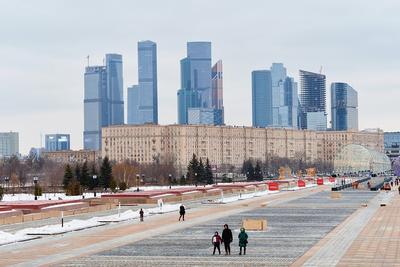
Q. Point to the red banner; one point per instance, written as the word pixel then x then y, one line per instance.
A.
pixel 301 183
pixel 273 186
pixel 320 181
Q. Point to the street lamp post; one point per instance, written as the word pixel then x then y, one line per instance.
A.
pixel 35 181
pixel 7 180
pixel 170 180
pixel 94 184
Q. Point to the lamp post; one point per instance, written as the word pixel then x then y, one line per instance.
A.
pixel 170 180
pixel 137 182
pixel 7 180
pixel 35 181
pixel 94 184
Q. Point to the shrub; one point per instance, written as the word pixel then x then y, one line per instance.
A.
pixel 122 186
pixel 73 189
pixel 1 193
pixel 113 185
pixel 38 191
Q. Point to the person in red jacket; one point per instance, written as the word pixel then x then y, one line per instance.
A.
pixel 216 241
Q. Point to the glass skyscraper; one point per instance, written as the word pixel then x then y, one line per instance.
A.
pixel 275 94
pixel 103 99
pixel 57 142
pixel 201 89
pixel 313 101
pixel 261 84
pixel 142 98
pixel 217 93
pixel 344 105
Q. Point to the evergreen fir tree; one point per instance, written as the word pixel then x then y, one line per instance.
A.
pixel 67 176
pixel 192 169
pixel 78 172
pixel 105 173
pixel 85 177
pixel 257 172
pixel 250 172
pixel 208 173
pixel 92 183
pixel 201 179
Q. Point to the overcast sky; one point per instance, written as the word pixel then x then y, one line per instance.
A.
pixel 44 44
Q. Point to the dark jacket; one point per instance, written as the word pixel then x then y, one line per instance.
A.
pixel 227 236
pixel 182 209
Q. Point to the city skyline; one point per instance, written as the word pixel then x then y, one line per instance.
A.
pixel 43 68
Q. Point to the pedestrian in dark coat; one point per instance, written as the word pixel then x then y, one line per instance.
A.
pixel 227 238
pixel 182 212
pixel 243 240
pixel 216 241
pixel 141 214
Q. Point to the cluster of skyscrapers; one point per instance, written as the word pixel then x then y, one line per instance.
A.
pixel 200 98
pixel 275 98
pixel 276 102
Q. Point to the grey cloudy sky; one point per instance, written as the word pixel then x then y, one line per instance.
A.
pixel 43 45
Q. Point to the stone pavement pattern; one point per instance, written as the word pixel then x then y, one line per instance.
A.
pixel 57 249
pixel 293 228
pixel 379 242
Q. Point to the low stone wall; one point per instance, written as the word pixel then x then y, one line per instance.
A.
pixel 53 214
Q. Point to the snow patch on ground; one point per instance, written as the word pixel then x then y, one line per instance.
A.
pixel 46 196
pixel 7 238
pixel 55 229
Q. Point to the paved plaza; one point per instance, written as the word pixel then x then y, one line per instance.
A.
pixel 293 228
pixel 305 228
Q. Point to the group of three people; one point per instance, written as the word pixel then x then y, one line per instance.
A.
pixel 227 239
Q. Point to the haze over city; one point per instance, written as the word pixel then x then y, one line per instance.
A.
pixel 45 44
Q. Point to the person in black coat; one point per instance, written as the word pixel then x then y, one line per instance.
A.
pixel 182 212
pixel 227 238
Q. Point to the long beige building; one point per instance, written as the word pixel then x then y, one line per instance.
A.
pixel 227 145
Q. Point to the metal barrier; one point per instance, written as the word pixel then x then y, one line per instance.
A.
pixel 342 187
pixel 380 185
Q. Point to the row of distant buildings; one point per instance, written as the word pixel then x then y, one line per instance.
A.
pixel 276 102
pixel 275 98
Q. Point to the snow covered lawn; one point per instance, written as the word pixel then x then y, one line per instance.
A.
pixel 46 196
pixel 56 229
pixel 164 209
pixel 7 238
pixel 124 216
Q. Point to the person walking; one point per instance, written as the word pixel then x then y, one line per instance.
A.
pixel 243 240
pixel 141 214
pixel 182 212
pixel 216 241
pixel 399 189
pixel 227 238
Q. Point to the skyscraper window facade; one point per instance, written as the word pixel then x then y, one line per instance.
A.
pixel 142 98
pixel 103 99
pixel 9 144
pixel 200 88
pixel 313 100
pixel 57 142
pixel 344 105
pixel 261 84
pixel 276 96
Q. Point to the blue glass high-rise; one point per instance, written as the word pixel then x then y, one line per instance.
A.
pixel 103 100
pixel 195 89
pixel 144 108
pixel 344 105
pixel 261 84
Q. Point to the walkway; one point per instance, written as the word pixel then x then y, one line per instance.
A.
pixel 57 249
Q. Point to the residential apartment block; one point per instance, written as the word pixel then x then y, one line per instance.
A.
pixel 227 145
